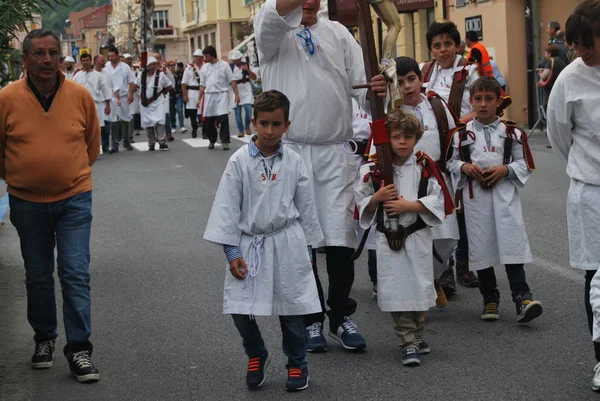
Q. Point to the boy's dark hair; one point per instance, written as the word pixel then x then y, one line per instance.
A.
pixel 486 84
pixel 270 101
pixel 114 50
pixel 584 24
pixel 210 50
pixel 442 28
pixel 553 50
pixel 472 36
pixel 180 65
pixel 404 65
pixel 85 55
pixel 404 121
pixel 554 25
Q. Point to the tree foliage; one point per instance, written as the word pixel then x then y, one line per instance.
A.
pixel 14 15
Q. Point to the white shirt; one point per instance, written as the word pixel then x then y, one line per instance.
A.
pixel 441 80
pixel 216 78
pixel 319 85
pixel 122 76
pixel 574 121
pixel 95 83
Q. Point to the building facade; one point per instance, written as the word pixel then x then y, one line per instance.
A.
pixel 219 23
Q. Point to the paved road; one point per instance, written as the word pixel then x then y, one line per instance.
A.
pixel 160 335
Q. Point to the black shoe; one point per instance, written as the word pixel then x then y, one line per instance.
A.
pixel 211 145
pixel 128 146
pixel 225 146
pixel 114 149
pixel 491 307
pixel 170 138
pixel 151 148
pixel 297 379
pixel 163 146
pixel 43 357
pixel 82 367
pixel 464 276
pixel 447 282
pixel 106 150
pixel 137 134
pixel 131 140
pixel 527 309
pixel 256 371
pixel 194 133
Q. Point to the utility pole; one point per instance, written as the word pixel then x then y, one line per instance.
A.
pixel 144 55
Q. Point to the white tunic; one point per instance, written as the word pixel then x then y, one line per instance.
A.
pixel 122 75
pixel 96 83
pixel 134 108
pixel 430 144
pixel 441 79
pixel 244 90
pixel 279 216
pixel 405 277
pixel 216 78
pixel 494 217
pixel 574 132
pixel 319 87
pixel 191 77
pixel 155 112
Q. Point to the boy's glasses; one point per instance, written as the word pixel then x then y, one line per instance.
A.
pixel 40 54
pixel 308 44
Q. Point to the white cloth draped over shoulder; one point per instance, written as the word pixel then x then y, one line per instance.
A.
pixel 315 67
pixel 272 221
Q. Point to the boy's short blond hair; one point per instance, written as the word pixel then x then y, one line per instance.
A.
pixel 406 122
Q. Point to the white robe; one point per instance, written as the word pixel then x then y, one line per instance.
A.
pixel 244 90
pixel 248 207
pixel 494 217
pixel 440 82
pixel 319 87
pixel 154 113
pixel 122 75
pixel 405 277
pixel 216 79
pixel 189 79
pixel 574 132
pixel 100 89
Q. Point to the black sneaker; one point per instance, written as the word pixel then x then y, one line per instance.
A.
pixel 43 357
pixel 106 150
pixel 527 309
pixel 256 371
pixel 163 146
pixel 211 145
pixel 491 311
pixel 194 133
pixel 128 146
pixel 447 282
pixel 464 276
pixel 151 148
pixel 297 379
pixel 170 138
pixel 114 149
pixel 82 367
pixel 225 146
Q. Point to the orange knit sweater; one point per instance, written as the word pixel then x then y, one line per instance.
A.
pixel 47 157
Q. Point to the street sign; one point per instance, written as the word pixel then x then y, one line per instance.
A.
pixel 75 51
pixel 475 24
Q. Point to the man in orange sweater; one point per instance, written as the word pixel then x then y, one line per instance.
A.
pixel 49 139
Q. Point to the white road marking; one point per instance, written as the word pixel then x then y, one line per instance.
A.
pixel 199 142
pixel 576 275
pixel 142 146
pixel 245 139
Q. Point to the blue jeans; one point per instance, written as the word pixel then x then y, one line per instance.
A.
pixel 179 106
pixel 238 116
pixel 294 338
pixel 65 224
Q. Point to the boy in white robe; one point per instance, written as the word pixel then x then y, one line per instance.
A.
pixel 573 130
pixel 404 277
pixel 265 217
pixel 446 235
pixel 490 180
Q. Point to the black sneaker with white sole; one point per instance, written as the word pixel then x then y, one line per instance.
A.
pixel 82 367
pixel 43 356
pixel 255 377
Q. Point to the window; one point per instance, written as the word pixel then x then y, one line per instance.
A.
pixel 162 49
pixel 460 3
pixel 182 8
pixel 192 45
pixel 213 39
pixel 160 19
pixel 205 41
pixel 202 4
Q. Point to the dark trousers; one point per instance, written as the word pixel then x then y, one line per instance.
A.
pixel 105 137
pixel 372 264
pixel 589 274
pixel 120 132
pixel 172 112
pixel 42 227
pixel 340 269
pixel 192 114
pixel 462 248
pixel 210 130
pixel 516 279
pixel 294 338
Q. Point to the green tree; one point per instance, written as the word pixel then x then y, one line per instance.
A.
pixel 14 15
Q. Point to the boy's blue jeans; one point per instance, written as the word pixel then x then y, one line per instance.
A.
pixel 238 116
pixel 294 338
pixel 65 224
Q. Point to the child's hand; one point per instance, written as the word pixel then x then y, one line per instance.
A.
pixel 385 193
pixel 472 171
pixel 238 268
pixel 396 207
pixel 495 174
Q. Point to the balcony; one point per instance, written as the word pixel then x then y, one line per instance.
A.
pixel 167 31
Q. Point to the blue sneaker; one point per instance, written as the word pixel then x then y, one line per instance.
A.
pixel 316 339
pixel 347 334
pixel 423 346
pixel 410 356
pixel 297 379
